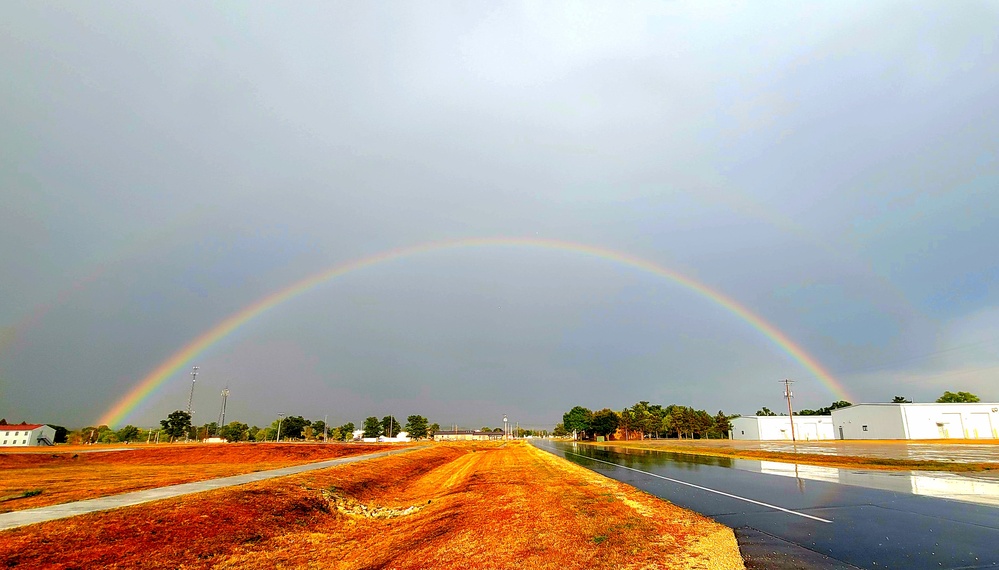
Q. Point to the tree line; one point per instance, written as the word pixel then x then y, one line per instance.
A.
pixel 948 397
pixel 177 426
pixel 644 420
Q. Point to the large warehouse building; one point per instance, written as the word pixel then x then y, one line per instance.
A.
pixel 765 428
pixel 917 421
pixel 878 421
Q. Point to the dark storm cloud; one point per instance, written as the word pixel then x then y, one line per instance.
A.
pixel 831 167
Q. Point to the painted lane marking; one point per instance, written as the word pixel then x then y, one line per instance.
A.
pixel 762 504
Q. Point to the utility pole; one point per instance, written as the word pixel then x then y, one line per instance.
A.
pixel 225 396
pixel 787 395
pixel 506 430
pixel 326 428
pixel 280 419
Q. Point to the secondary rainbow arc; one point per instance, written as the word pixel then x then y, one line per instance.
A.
pixel 145 388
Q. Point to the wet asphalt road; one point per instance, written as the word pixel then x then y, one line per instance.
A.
pixel 866 528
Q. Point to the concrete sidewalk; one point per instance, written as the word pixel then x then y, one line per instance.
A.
pixel 42 514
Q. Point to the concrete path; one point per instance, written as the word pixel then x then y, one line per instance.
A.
pixel 42 514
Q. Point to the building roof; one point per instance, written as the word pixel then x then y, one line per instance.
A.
pixel 784 416
pixel 921 404
pixel 19 427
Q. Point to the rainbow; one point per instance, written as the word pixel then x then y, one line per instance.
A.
pixel 179 360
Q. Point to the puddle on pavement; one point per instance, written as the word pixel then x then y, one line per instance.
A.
pixel 930 483
pixel 983 489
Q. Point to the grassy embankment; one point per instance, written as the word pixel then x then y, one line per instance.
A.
pixel 41 479
pixel 445 506
pixel 843 459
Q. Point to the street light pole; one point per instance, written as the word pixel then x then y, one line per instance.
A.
pixel 280 419
pixel 225 396
pixel 190 399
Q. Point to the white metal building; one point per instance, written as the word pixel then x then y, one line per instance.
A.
pixel 23 435
pixel 917 421
pixel 768 428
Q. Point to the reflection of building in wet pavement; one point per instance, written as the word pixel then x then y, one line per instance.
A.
pixel 932 484
pixel 957 452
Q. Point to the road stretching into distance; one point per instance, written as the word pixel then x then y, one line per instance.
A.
pixel 827 523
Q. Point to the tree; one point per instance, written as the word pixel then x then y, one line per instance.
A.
pixel 901 400
pixel 824 411
pixel 702 423
pixel 765 412
pixel 128 433
pixel 318 428
pixel 721 426
pixel 642 419
pixel 177 424
pixel 390 423
pixel 61 434
pixel 235 431
pixel 210 429
pixel 292 427
pixel 372 427
pixel 560 430
pixel 416 426
pixel 346 431
pixel 577 420
pixel 434 428
pixel 949 397
pixel 604 422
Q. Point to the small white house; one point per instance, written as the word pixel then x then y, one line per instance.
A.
pixel 23 435
pixel 917 421
pixel 778 428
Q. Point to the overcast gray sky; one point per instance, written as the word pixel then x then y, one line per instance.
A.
pixel 830 166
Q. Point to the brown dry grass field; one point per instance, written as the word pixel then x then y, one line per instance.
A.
pixel 724 448
pixel 65 475
pixel 471 505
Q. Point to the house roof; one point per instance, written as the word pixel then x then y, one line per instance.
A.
pixel 19 427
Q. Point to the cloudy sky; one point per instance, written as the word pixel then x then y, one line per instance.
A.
pixel 831 167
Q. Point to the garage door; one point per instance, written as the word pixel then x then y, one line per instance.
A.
pixel 979 426
pixel 950 426
pixel 807 432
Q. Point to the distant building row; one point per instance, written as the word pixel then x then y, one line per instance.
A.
pixel 878 421
pixel 467 435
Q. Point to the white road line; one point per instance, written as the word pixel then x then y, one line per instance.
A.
pixel 762 504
